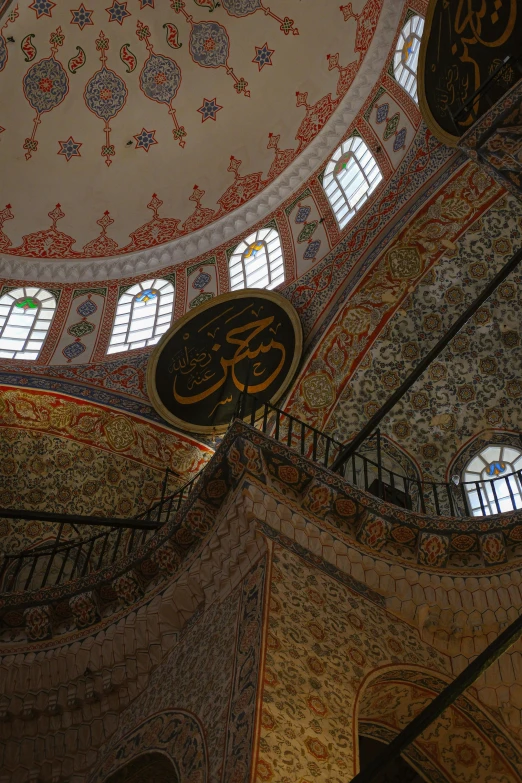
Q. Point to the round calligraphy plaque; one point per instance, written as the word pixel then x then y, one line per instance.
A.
pixel 463 45
pixel 197 371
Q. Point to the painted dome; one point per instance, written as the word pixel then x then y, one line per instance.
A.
pixel 112 113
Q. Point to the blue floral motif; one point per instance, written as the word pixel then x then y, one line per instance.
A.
pixel 105 93
pixel 3 53
pixel 400 140
pixel 201 280
pixel 302 214
pixel 312 249
pixel 46 84
pixel 73 350
pixel 160 78
pixel 241 7
pixel 382 112
pixel 209 44
pixel 86 308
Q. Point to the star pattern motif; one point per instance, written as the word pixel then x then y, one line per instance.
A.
pixel 42 7
pixel 70 148
pixel 209 109
pixel 263 56
pixel 118 12
pixel 145 139
pixel 146 4
pixel 81 17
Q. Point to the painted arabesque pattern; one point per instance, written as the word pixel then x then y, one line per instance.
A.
pixel 174 48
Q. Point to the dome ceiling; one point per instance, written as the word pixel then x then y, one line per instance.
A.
pixel 127 125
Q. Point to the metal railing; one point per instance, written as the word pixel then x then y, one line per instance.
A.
pixel 65 559
pixel 436 498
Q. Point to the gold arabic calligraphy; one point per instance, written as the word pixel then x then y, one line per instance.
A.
pixel 475 25
pixel 201 375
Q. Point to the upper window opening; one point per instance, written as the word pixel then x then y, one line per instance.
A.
pixel 491 481
pixel 25 317
pixel 406 56
pixel 257 262
pixel 350 178
pixel 143 314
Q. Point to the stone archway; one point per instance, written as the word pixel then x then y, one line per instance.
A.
pixel 464 744
pixel 174 735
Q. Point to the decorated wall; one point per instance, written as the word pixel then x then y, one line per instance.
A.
pixel 317 634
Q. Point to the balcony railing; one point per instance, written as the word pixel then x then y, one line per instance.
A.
pixel 497 495
pixel 67 558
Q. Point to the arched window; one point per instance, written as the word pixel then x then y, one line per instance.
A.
pixel 491 482
pixel 257 262
pixel 350 178
pixel 25 317
pixel 143 314
pixel 406 56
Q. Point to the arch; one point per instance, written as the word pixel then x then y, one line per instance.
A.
pixel 176 734
pixel 257 262
pixel 350 178
pixel 465 739
pixel 143 314
pixel 406 57
pixel 26 315
pixel 151 767
pixel 495 460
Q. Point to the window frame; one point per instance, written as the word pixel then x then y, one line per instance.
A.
pixel 46 304
pixel 404 74
pixel 484 482
pixel 127 308
pixel 341 199
pixel 244 275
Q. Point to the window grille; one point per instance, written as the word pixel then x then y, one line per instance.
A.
pixel 350 178
pixel 494 462
pixel 143 314
pixel 406 58
pixel 257 262
pixel 26 315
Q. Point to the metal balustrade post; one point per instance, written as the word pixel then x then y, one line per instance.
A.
pixel 55 547
pixel 379 466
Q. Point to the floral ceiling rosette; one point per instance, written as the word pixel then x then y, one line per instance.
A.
pixel 209 46
pixel 105 95
pixel 160 76
pixel 45 86
pixel 246 7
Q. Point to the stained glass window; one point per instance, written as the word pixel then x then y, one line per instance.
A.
pixel 25 317
pixel 257 262
pixel 406 56
pixel 143 314
pixel 350 178
pixel 491 481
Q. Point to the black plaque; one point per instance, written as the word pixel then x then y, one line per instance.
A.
pixel 243 339
pixel 464 41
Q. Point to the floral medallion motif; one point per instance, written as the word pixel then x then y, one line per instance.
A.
pixel 3 53
pixel 209 44
pixel 160 78
pixel 105 93
pixel 241 7
pixel 45 85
